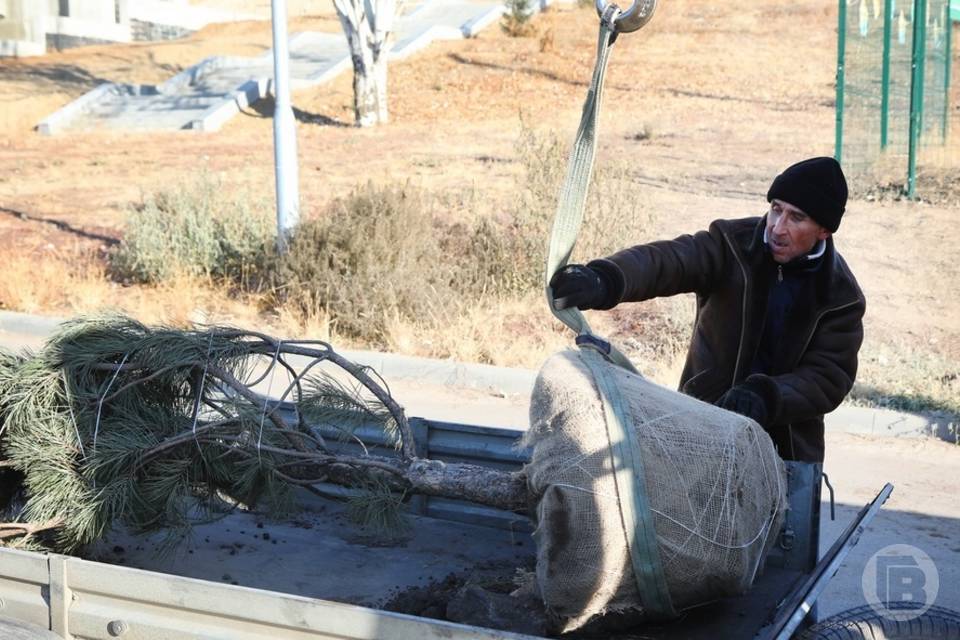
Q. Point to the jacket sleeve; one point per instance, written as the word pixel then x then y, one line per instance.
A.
pixel 690 263
pixel 827 369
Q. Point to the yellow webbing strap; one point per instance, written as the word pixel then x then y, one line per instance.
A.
pixel 626 458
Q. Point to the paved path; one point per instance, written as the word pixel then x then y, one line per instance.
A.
pixel 208 94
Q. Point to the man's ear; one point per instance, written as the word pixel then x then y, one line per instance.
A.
pixel 823 234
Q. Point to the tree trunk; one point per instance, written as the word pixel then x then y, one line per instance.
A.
pixel 380 73
pixel 367 26
pixel 491 487
pixel 364 90
pixel 482 485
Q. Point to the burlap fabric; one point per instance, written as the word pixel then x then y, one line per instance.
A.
pixel 715 484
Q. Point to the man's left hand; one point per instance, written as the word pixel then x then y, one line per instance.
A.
pixel 757 398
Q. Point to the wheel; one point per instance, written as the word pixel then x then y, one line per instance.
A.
pixel 863 623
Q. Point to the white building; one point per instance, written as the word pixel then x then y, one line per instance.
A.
pixel 30 27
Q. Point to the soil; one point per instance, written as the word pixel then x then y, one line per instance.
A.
pixel 707 103
pixel 431 599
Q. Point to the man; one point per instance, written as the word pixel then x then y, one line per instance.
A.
pixel 779 314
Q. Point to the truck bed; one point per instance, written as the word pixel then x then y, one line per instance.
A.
pixel 320 553
pixel 244 576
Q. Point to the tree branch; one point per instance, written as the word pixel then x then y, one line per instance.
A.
pixel 15 529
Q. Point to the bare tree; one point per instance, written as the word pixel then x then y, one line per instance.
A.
pixel 368 25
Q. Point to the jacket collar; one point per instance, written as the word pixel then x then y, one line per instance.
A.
pixel 835 284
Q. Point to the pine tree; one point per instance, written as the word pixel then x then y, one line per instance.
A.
pixel 155 428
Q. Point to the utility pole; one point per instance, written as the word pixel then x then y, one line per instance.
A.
pixel 284 131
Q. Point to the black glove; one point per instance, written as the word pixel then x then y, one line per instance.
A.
pixel 587 287
pixel 757 397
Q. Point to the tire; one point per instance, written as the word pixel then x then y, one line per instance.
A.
pixel 863 623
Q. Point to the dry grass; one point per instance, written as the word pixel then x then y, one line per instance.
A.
pixel 504 331
pixel 512 330
pixel 66 284
pixel 48 281
pixel 899 374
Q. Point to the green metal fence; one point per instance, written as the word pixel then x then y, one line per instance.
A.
pixel 898 108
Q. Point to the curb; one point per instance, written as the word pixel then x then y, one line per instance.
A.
pixel 509 381
pixel 450 373
pixel 53 123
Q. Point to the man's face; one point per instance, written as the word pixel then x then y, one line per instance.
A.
pixel 791 233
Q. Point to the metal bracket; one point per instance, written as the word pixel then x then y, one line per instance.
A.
pixel 632 19
pixel 60 595
pixel 796 606
pixel 787 538
pixel 826 481
pixel 592 341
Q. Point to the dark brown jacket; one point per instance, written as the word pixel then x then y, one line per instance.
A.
pixel 725 266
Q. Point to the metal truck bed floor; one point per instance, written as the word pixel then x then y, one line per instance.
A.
pixel 321 554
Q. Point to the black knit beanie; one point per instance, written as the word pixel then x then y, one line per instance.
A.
pixel 817 186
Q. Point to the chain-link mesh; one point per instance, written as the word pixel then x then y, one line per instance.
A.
pixel 881 93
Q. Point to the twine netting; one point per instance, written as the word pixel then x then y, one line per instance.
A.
pixel 715 485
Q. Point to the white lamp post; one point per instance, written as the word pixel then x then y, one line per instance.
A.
pixel 284 130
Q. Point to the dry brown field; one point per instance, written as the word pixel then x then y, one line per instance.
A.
pixel 704 106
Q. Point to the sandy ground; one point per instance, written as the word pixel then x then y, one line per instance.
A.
pixel 730 94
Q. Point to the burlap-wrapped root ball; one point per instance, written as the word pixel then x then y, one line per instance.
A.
pixel 715 484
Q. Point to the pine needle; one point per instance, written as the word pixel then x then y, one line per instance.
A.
pixel 113 422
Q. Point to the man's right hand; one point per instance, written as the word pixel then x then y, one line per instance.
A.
pixel 576 285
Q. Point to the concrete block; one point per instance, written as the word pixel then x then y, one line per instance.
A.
pixel 324 74
pixel 22 48
pixel 475 25
pixel 97 11
pixel 180 14
pixel 183 81
pixel 214 117
pixel 144 31
pixel 412 43
pixel 61 119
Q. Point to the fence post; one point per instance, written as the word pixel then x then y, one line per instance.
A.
pixel 947 71
pixel 885 86
pixel 841 56
pixel 916 90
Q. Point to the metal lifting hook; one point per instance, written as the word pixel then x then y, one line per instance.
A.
pixel 633 18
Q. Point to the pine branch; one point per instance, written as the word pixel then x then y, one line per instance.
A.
pixel 113 421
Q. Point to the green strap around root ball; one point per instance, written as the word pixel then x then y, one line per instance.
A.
pixel 598 354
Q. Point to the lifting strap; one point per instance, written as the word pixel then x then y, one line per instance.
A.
pixel 626 457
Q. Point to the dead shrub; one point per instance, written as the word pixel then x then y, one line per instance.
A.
pixel 193 231
pixel 373 254
pixel 547 44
